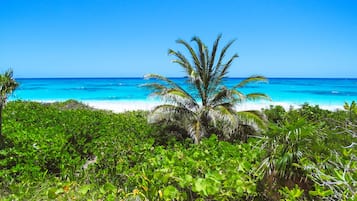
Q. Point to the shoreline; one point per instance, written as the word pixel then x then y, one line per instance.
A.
pixel 119 106
pixel 123 106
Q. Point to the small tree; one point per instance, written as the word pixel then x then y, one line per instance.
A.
pixel 7 85
pixel 208 103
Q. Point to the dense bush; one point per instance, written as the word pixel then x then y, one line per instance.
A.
pixel 67 151
pixel 312 150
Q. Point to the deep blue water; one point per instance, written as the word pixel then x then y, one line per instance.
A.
pixel 291 90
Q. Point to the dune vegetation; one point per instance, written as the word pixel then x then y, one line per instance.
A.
pixel 193 147
pixel 66 151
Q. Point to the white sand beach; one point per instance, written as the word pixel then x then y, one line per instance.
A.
pixel 123 106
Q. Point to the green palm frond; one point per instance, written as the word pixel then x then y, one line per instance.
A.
pixel 221 96
pixel 253 118
pixel 155 87
pixel 238 96
pixel 221 56
pixel 168 112
pixel 192 52
pixel 223 73
pixel 161 78
pixel 179 98
pixel 225 113
pixel 351 108
pixel 181 117
pixel 201 50
pixel 213 54
pixel 346 106
pixel 251 80
pixel 257 96
pixel 7 85
pixel 162 87
pixel 183 61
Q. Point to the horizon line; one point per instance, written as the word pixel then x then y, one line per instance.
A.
pixel 172 77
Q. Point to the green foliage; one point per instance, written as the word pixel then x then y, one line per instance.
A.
pixel 41 138
pixel 286 144
pixel 334 176
pixel 291 194
pixel 352 110
pixel 47 145
pixel 312 148
pixel 211 170
pixel 275 114
pixel 64 151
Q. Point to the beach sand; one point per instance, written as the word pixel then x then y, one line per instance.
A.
pixel 123 106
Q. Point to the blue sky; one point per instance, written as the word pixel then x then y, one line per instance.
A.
pixel 122 38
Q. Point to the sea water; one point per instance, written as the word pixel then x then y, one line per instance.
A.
pixel 320 91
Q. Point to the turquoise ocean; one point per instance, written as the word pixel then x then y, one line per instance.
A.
pixel 320 91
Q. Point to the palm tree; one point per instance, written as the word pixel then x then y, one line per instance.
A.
pixel 351 108
pixel 7 86
pixel 208 103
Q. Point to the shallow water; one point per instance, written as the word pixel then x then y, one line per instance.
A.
pixel 289 90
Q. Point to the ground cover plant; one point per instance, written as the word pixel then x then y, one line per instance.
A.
pixel 311 156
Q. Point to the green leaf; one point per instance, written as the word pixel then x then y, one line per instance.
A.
pixel 110 187
pixel 59 191
pixel 51 193
pixel 170 192
pixel 185 181
pixel 200 186
pixel 84 189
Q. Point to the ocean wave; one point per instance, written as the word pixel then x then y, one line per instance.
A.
pixel 323 92
pixel 87 89
pixel 32 88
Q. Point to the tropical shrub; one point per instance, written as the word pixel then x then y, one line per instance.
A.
pixel 308 148
pixel 211 170
pixel 352 110
pixel 275 114
pixel 335 177
pixel 313 158
pixel 285 146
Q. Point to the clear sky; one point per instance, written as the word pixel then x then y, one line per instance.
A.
pixel 129 38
